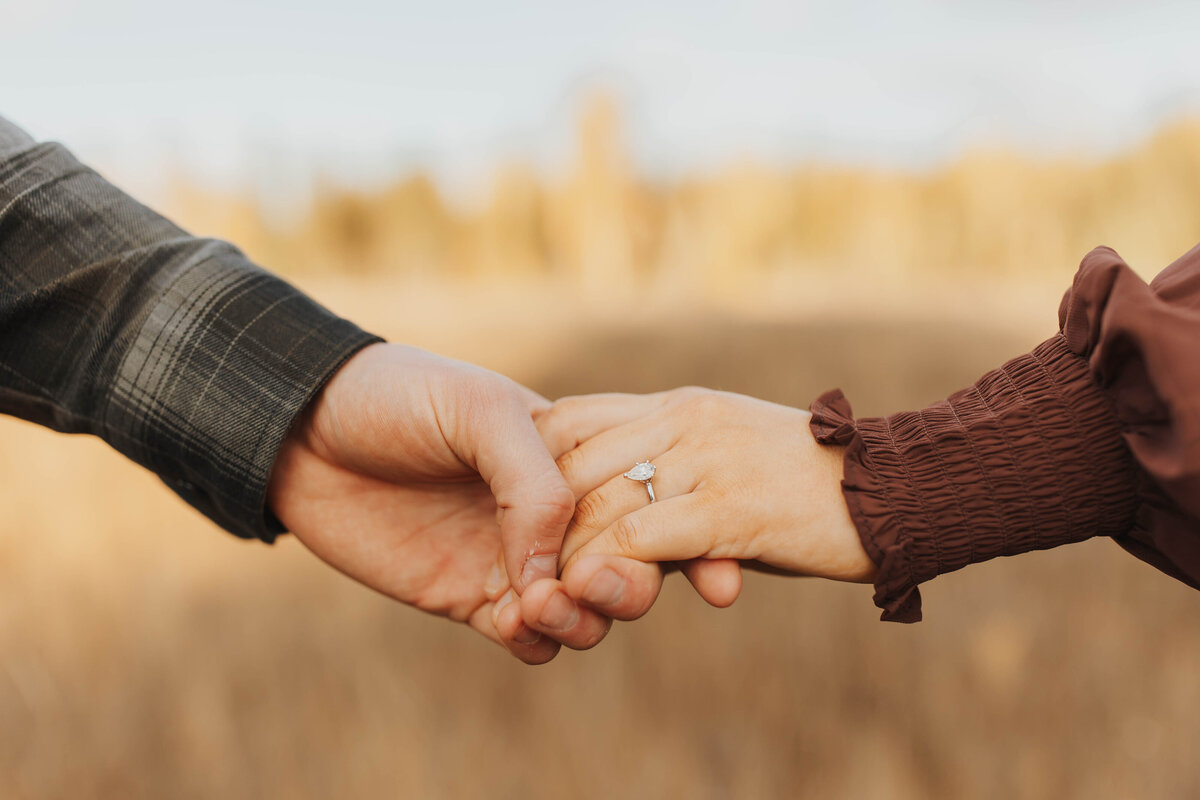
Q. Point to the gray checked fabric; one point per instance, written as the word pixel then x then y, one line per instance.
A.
pixel 176 350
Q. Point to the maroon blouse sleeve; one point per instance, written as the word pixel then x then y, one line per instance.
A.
pixel 1096 432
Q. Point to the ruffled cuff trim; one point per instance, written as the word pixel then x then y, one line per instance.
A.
pixel 896 591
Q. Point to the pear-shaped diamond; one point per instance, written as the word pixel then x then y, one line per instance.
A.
pixel 642 471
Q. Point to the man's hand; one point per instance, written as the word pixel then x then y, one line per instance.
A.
pixel 425 479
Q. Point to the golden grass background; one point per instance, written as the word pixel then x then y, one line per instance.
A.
pixel 145 654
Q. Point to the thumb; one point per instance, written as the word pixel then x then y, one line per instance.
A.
pixel 535 504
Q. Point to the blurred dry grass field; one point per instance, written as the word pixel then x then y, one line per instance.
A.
pixel 145 654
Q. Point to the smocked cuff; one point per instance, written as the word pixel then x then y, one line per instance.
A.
pixel 1029 458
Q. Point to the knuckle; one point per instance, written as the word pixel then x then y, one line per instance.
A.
pixel 626 534
pixel 696 408
pixel 589 511
pixel 561 412
pixel 569 464
pixel 558 424
pixel 558 441
pixel 565 406
pixel 705 403
pixel 547 416
pixel 683 394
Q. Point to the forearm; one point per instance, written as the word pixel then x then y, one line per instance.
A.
pixel 176 350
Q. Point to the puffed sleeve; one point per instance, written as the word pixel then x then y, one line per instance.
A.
pixel 1096 432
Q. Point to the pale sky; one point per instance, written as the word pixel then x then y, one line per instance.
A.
pixel 371 88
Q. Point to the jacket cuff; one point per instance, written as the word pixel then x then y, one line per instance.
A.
pixel 1029 458
pixel 218 370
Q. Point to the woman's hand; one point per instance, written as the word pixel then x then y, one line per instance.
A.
pixel 737 478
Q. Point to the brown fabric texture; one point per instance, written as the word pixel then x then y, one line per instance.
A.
pixel 1096 432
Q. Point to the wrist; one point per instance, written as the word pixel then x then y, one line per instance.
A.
pixel 308 434
pixel 850 560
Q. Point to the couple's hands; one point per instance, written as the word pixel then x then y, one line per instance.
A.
pixel 427 480
pixel 738 478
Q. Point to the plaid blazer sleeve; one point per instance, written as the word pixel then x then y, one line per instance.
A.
pixel 176 350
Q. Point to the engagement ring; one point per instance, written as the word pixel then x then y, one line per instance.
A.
pixel 643 471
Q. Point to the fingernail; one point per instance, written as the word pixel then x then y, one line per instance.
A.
pixel 501 603
pixel 559 613
pixel 538 567
pixel 604 589
pixel 526 635
pixel 496 581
